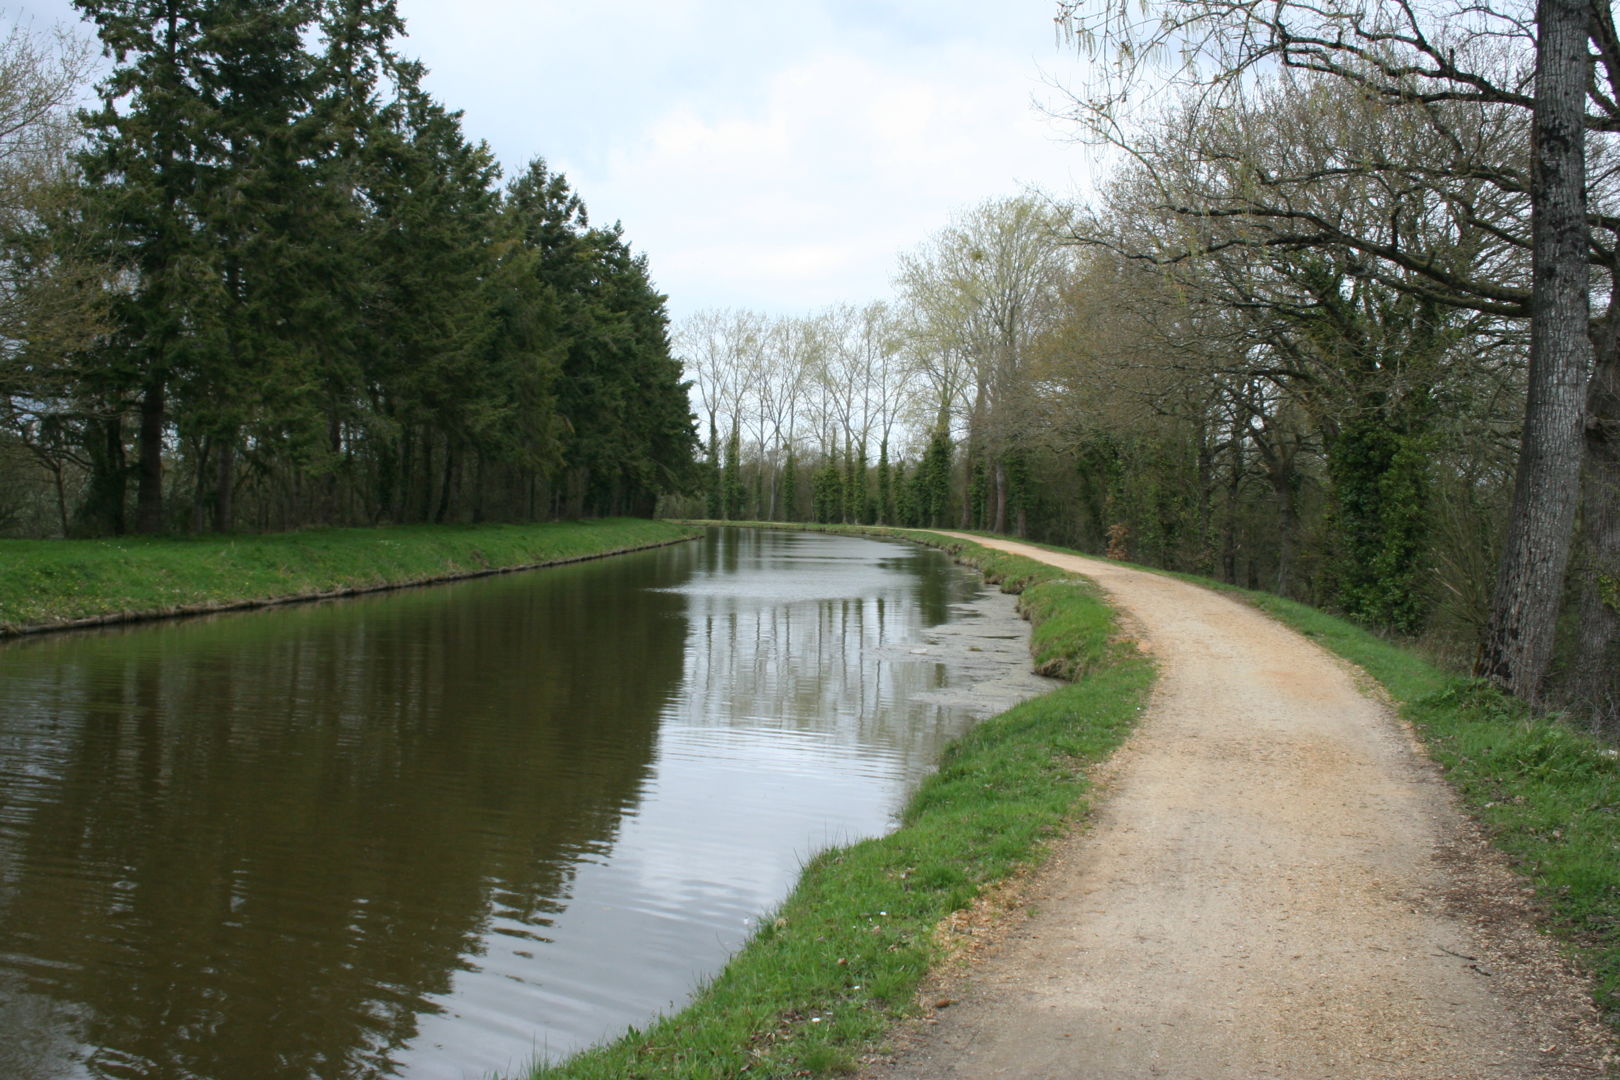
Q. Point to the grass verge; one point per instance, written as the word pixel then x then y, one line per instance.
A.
pixel 46 584
pixel 843 957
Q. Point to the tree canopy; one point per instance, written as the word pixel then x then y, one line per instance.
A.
pixel 306 296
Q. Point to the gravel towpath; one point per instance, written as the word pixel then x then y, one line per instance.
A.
pixel 1277 883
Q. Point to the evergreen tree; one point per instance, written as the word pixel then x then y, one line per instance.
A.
pixel 715 490
pixel 146 167
pixel 733 507
pixel 790 486
pixel 933 480
pixel 885 488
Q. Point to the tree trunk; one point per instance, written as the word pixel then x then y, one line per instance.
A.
pixel 331 485
pixel 1596 663
pixel 149 467
pixel 1284 489
pixel 1229 528
pixel 109 479
pixel 199 483
pixel 1535 554
pixel 61 498
pixel 225 485
pixel 425 503
pixel 443 512
pixel 999 476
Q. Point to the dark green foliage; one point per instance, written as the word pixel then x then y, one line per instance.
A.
pixel 731 484
pixel 790 486
pixel 1381 488
pixel 979 495
pixel 931 483
pixel 885 513
pixel 714 482
pixel 828 491
pixel 333 312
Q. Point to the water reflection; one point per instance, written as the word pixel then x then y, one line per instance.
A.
pixel 439 833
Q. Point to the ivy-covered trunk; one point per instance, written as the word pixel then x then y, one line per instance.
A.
pixel 1380 478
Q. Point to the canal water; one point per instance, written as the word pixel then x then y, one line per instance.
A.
pixel 441 833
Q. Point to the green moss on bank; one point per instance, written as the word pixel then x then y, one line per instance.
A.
pixel 46 583
pixel 844 956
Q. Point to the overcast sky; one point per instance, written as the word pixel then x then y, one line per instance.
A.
pixel 763 155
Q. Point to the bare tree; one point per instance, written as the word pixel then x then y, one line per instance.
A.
pixel 985 288
pixel 52 292
pixel 1558 63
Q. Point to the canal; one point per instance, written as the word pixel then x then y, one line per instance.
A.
pixel 441 833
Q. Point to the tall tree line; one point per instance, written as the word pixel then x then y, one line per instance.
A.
pixel 1172 376
pixel 1517 227
pixel 319 304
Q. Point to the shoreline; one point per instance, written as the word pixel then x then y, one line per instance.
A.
pixel 677 534
pixel 841 960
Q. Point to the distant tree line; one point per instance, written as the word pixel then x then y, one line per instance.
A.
pixel 270 282
pixel 1289 345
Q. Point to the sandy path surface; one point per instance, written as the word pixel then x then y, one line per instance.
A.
pixel 1277 884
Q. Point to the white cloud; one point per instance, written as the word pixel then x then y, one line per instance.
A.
pixel 805 194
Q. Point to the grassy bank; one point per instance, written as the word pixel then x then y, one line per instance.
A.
pixel 50 583
pixel 844 956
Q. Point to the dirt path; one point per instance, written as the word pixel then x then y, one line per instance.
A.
pixel 1277 884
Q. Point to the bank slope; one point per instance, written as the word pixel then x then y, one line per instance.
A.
pixel 54 584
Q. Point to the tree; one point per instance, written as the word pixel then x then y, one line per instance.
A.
pixel 1417 60
pixel 987 285
pixel 1367 357
pixel 623 405
pixel 52 290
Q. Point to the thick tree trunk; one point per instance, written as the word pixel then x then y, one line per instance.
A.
pixel 1596 663
pixel 149 467
pixel 109 487
pixel 1535 554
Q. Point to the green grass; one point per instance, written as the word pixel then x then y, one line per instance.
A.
pixel 828 973
pixel 49 582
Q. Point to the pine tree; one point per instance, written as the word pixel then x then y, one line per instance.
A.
pixel 790 486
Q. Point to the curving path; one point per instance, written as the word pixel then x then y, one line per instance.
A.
pixel 1277 884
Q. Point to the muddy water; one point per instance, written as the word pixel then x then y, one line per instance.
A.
pixel 441 833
